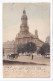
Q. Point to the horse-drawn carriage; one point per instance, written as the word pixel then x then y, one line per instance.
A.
pixel 12 55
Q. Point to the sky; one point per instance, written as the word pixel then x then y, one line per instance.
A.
pixel 38 18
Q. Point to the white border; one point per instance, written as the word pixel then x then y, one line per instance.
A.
pixel 26 1
pixel 0 39
pixel 24 79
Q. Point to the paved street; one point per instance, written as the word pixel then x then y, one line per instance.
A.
pixel 39 60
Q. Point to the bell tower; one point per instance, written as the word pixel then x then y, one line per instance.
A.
pixel 36 33
pixel 24 18
pixel 24 27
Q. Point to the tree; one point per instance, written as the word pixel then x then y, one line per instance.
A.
pixel 44 49
pixel 21 48
pixel 31 47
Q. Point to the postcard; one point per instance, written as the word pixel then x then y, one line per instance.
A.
pixel 26 49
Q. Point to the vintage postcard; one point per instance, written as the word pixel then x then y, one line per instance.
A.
pixel 26 40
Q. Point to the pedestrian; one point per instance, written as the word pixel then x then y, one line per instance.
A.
pixel 32 57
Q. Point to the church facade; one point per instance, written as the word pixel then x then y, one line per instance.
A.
pixel 24 36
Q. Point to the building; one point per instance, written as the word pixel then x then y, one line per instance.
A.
pixel 9 47
pixel 24 36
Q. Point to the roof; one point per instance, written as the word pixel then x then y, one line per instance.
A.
pixel 25 35
pixel 9 42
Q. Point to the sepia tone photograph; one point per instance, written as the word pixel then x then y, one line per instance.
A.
pixel 26 40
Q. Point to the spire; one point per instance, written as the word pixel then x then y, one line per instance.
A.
pixel 24 12
pixel 24 18
pixel 36 33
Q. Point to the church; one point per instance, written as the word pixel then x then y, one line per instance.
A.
pixel 23 37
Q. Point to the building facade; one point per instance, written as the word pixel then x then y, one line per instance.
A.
pixel 24 36
pixel 9 47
